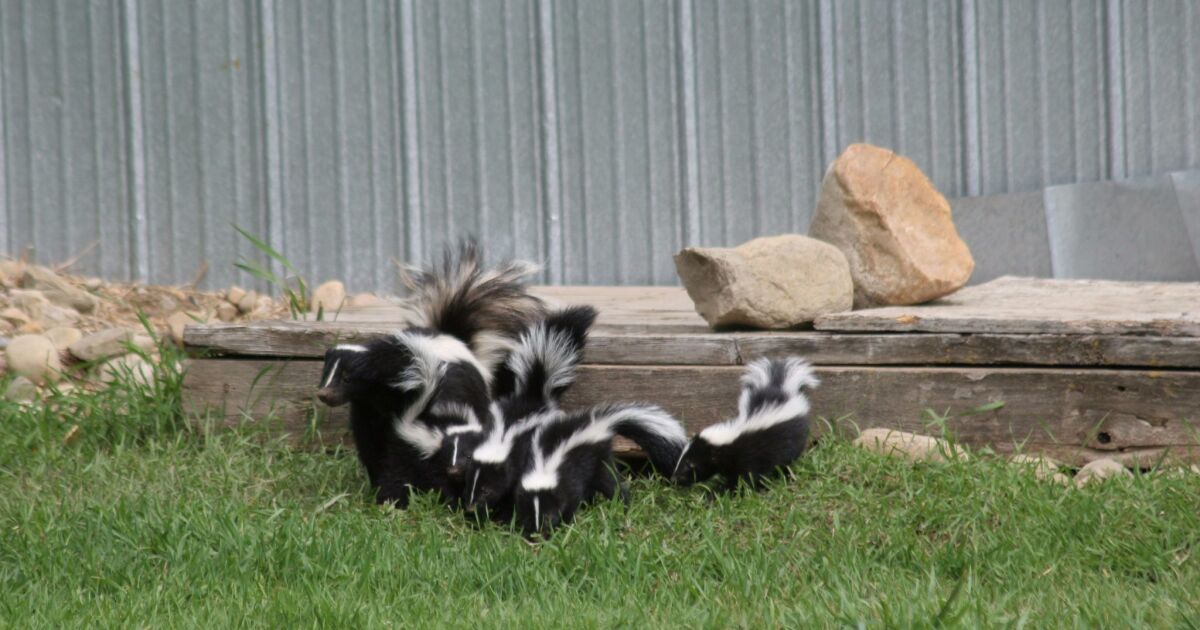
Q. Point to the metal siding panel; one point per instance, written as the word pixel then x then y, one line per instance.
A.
pixel 618 141
pixel 1093 233
pixel 1162 70
pixel 199 83
pixel 1042 88
pixel 897 80
pixel 64 155
pixel 340 146
pixel 758 109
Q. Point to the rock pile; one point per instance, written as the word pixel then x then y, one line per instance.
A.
pixel 56 326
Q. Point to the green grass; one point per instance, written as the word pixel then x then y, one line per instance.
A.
pixel 143 523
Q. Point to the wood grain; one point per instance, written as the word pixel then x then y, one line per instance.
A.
pixel 1076 415
pixel 1038 306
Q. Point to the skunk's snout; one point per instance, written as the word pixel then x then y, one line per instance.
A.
pixel 330 396
pixel 455 473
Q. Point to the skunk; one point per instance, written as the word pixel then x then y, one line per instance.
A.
pixel 542 367
pixel 769 432
pixel 409 390
pixel 570 461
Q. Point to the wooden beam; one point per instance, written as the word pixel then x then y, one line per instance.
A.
pixel 1077 415
pixel 617 347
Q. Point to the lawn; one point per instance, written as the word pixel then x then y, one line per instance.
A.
pixel 139 522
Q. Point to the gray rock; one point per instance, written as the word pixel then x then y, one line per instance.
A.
pixel 772 282
pixel 894 227
pixel 21 389
pixel 34 357
pixel 1100 470
pixel 102 345
pixel 910 446
pixel 58 290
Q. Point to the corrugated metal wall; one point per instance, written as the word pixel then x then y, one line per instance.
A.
pixel 596 136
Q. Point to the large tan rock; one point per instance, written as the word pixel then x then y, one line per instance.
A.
pixel 894 227
pixel 34 357
pixel 771 282
pixel 910 446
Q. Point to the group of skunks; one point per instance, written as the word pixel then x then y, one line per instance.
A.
pixel 466 403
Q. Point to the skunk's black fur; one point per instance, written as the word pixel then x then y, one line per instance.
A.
pixel 770 431
pixel 409 391
pixel 570 461
pixel 542 367
pixel 405 391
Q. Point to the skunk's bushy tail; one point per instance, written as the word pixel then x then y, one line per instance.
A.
pixel 793 375
pixel 544 360
pixel 484 308
pixel 654 430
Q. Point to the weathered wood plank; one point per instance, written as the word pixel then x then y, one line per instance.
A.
pixel 607 346
pixel 1078 415
pixel 1029 305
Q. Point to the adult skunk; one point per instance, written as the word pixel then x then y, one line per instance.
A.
pixel 571 460
pixel 407 391
pixel 542 367
pixel 770 431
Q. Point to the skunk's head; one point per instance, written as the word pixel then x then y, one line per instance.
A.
pixel 456 452
pixel 538 512
pixel 697 462
pixel 485 486
pixel 349 372
pixel 392 369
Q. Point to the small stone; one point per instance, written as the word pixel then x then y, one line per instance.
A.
pixel 1043 468
pixel 894 227
pixel 31 328
pixel 130 366
pixel 248 302
pixel 226 312
pixel 63 336
pixel 14 316
pixel 144 342
pixel 1100 470
pixel 365 299
pixel 235 294
pixel 178 321
pixel 21 389
pixel 6 327
pixel 328 297
pixel 102 345
pixel 55 316
pixel 92 284
pixel 11 270
pixel 30 301
pixel 909 446
pixel 57 289
pixel 772 282
pixel 34 357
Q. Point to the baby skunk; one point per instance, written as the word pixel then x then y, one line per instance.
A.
pixel 409 390
pixel 769 432
pixel 542 367
pixel 571 460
